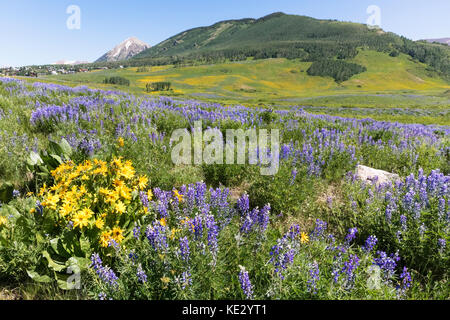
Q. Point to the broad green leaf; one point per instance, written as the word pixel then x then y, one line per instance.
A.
pixel 56 266
pixel 34 159
pixel 6 191
pixel 65 146
pixel 81 263
pixel 57 158
pixel 54 148
pixel 38 278
pixel 39 238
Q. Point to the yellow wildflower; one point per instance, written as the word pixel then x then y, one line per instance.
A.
pixel 124 192
pixel 81 218
pixel 66 209
pixel 173 233
pixel 120 142
pixel 117 162
pixel 120 207
pixel 82 190
pixel 100 223
pixel 42 190
pixel 149 194
pixel 178 195
pixel 117 234
pixel 51 201
pixel 165 280
pixel 105 237
pixel 127 171
pixel 163 222
pixel 3 220
pixel 142 183
pixel 304 238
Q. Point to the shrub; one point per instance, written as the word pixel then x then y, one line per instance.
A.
pixel 117 80
pixel 158 86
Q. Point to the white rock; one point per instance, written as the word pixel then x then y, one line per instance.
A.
pixel 375 176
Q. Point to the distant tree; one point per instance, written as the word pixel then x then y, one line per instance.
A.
pixel 158 86
pixel 117 80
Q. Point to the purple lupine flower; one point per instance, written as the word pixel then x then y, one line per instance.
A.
pixel 157 237
pixel 186 279
pixel 142 277
pixel 246 285
pixel 200 191
pixel 406 279
pixel 102 296
pixel 422 229
pixel 351 235
pixel 213 233
pixel 197 229
pixel 403 221
pixel 319 230
pixel 136 231
pixel 370 243
pixel 387 263
pixel 184 249
pixel 163 201
pixel 330 202
pixel 144 199
pixel 263 217
pixel 349 269
pixel 283 253
pixel 105 274
pixel 293 176
pixel 243 204
pixel 441 208
pixel 314 277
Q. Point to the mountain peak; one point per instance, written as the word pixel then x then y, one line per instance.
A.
pixel 125 50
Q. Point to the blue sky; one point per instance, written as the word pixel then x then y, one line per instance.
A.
pixel 35 32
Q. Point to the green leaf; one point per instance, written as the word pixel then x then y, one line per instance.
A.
pixel 65 146
pixel 58 247
pixel 57 158
pixel 81 263
pixel 39 238
pixel 38 278
pixel 11 211
pixel 56 266
pixel 85 245
pixel 54 148
pixel 34 159
pixel 6 191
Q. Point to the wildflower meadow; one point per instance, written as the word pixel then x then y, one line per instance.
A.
pixel 92 203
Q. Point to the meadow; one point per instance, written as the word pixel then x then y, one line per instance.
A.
pixel 389 83
pixel 94 208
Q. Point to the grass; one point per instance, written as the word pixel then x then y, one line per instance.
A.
pixel 388 82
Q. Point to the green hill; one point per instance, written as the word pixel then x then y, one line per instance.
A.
pixel 289 36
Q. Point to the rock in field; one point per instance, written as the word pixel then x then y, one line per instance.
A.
pixel 375 176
